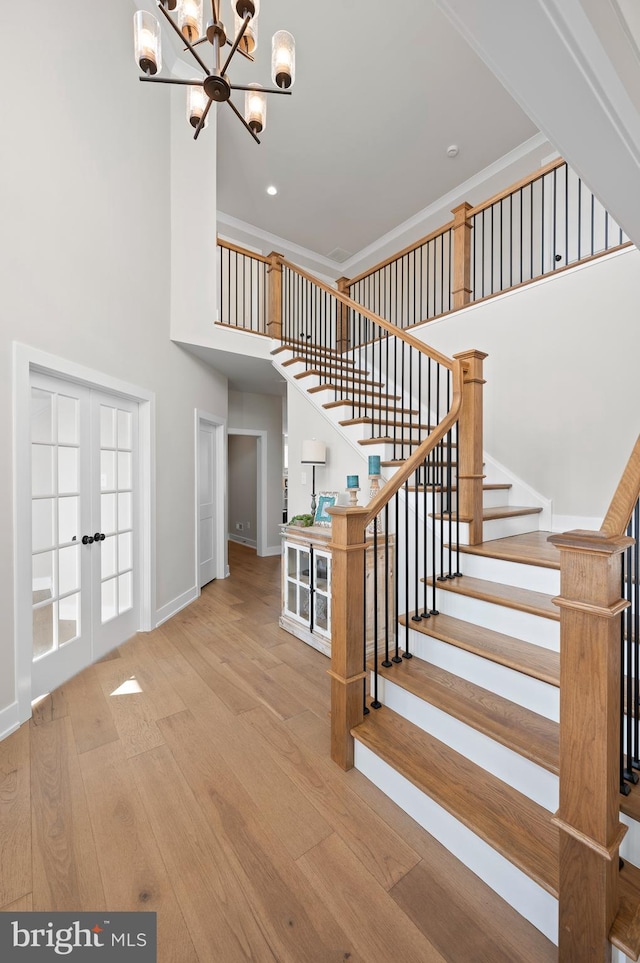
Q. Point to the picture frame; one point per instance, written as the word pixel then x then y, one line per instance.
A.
pixel 325 500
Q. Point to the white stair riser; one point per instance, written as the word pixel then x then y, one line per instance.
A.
pixel 501 527
pixel 514 886
pixel 495 497
pixel 532 577
pixel 521 625
pixel 630 846
pixel 509 766
pixel 540 697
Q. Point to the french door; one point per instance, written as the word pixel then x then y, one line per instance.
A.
pixel 84 527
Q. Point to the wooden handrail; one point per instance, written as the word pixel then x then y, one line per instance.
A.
pixel 626 495
pixel 523 182
pixel 376 319
pixel 241 250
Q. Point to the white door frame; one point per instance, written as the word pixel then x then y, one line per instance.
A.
pixel 220 444
pixel 25 360
pixel 261 484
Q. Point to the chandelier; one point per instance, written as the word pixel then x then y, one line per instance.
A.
pixel 215 87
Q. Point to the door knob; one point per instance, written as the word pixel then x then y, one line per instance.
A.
pixel 99 537
pixel 87 539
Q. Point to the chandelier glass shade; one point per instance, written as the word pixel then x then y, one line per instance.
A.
pixel 186 19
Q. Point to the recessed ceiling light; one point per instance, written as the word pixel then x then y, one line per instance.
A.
pixel 272 190
pixel 453 150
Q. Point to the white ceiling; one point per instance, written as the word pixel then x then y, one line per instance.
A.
pixel 360 146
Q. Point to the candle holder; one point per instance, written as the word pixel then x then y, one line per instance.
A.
pixel 353 497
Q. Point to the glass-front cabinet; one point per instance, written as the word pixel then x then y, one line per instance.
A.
pixel 307 586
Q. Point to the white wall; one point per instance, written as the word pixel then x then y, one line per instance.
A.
pixel 243 487
pixel 85 253
pixel 264 413
pixel 306 422
pixel 561 398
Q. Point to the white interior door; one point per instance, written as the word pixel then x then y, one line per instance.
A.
pixel 207 541
pixel 61 564
pixel 83 545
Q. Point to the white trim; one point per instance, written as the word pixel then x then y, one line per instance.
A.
pixel 220 442
pixel 261 484
pixel 273 550
pixel 167 611
pixel 25 360
pixel 569 523
pixel 9 720
pixel 250 542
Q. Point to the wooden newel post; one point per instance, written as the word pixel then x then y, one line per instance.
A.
pixel 588 814
pixel 470 443
pixel 347 629
pixel 342 332
pixel 274 271
pixel 462 227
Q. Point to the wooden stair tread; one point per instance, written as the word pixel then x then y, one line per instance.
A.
pixel 369 405
pixel 510 596
pixel 383 423
pixel 532 548
pixel 365 390
pixel 508 821
pixel 532 660
pixel 625 932
pixel 390 441
pixel 352 378
pixel 325 363
pixel 491 514
pixel 432 464
pixel 293 344
pixel 530 735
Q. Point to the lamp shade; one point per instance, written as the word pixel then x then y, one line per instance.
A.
pixel 313 453
pixel 196 103
pixel 283 59
pixel 146 42
pixel 190 19
pixel 255 108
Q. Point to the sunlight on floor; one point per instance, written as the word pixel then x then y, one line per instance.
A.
pixel 130 687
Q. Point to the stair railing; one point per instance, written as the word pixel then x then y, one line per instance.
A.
pixel 598 668
pixel 389 555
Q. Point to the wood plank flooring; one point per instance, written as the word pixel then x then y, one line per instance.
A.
pixel 188 773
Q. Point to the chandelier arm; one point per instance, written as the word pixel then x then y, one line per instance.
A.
pixel 243 121
pixel 234 45
pixel 183 39
pixel 171 80
pixel 202 119
pixel 263 90
pixel 196 43
pixel 215 11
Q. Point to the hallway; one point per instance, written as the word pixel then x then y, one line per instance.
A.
pixel 188 773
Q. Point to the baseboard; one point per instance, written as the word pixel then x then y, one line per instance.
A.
pixel 9 720
pixel 568 523
pixel 272 550
pixel 171 608
pixel 251 542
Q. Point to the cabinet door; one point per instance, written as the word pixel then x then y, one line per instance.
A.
pixel 322 593
pixel 297 587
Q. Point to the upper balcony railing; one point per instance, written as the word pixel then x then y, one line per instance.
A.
pixel 545 223
pixel 542 225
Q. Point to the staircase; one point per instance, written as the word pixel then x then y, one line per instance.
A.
pixel 467 738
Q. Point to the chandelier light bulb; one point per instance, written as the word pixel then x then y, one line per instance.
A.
pixel 249 42
pixel 255 108
pixel 283 59
pixel 190 19
pixel 196 103
pixel 146 42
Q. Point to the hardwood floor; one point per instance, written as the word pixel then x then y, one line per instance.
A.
pixel 188 773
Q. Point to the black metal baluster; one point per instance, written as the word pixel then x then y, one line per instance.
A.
pixel 406 654
pixel 625 789
pixel 416 612
pixel 387 661
pixel 396 582
pixel 364 639
pixel 635 620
